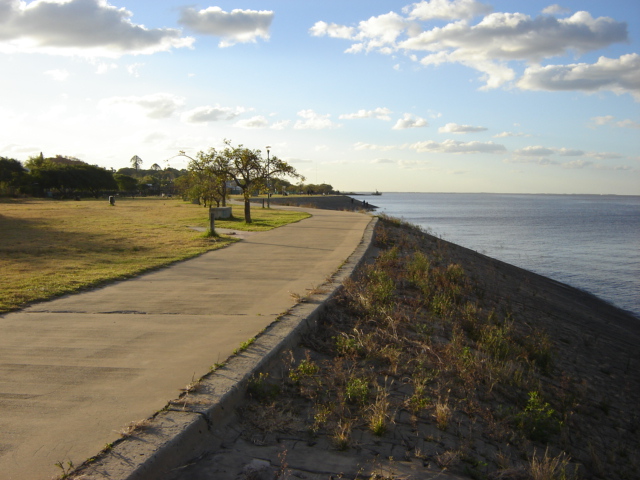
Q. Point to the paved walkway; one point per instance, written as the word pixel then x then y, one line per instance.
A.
pixel 76 370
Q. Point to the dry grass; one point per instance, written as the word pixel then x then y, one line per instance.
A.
pixel 49 248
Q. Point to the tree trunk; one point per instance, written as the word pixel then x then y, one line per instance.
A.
pixel 247 211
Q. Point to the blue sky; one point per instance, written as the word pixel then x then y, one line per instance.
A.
pixel 432 96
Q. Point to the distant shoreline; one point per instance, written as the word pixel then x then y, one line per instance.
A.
pixel 325 202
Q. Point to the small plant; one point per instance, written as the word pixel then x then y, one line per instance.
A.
pixel 550 468
pixel 381 288
pixel 306 368
pixel 321 416
pixel 442 414
pixel 419 400
pixel 244 345
pixel 261 389
pixel 217 366
pixel 66 468
pixel 455 273
pixel 538 420
pixel 496 341
pixel 441 304
pixel 357 390
pixel 418 268
pixel 134 427
pixel 346 345
pixel 377 418
pixel 342 435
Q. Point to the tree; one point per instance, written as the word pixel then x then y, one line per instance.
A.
pixel 125 182
pixel 12 175
pixel 155 167
pixel 136 161
pixel 207 178
pixel 70 176
pixel 251 172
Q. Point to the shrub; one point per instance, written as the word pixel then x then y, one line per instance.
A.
pixel 538 420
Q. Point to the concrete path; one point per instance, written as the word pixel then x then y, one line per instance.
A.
pixel 75 371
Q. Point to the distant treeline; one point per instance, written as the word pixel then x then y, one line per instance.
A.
pixel 69 177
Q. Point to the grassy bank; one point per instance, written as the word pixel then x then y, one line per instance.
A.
pixel 438 360
pixel 49 248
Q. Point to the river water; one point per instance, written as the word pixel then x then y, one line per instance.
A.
pixel 591 242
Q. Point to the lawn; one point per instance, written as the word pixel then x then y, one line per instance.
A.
pixel 50 247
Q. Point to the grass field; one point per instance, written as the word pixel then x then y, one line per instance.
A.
pixel 49 247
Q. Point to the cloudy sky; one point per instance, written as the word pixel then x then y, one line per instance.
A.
pixel 432 96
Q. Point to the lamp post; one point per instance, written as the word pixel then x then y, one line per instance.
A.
pixel 268 179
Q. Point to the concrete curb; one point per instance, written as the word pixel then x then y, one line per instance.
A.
pixel 187 426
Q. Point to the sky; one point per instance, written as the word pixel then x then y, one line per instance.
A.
pixel 431 96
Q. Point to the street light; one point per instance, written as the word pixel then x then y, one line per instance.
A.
pixel 268 179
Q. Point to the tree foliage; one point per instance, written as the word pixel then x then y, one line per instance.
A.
pixel 211 173
pixel 136 161
pixel 69 176
pixel 126 183
pixel 251 172
pixel 207 179
pixel 12 175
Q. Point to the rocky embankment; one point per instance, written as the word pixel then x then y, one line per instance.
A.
pixel 440 362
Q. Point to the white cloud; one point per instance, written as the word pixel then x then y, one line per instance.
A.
pixel 488 46
pixel 281 125
pixel 87 28
pixel 609 119
pixel 577 164
pixel 410 121
pixel 134 69
pixel 104 67
pixel 211 114
pixel 237 26
pixel 446 10
pixel 568 152
pixel 157 105
pixel 455 128
pixel 537 161
pixel 627 123
pixel 604 155
pixel 259 121
pixel 378 113
pixel 454 146
pixel 377 33
pixel 620 75
pixel 370 146
pixel 540 151
pixel 59 75
pixel 314 121
pixel 516 36
pixel 333 30
pixel 535 151
pixel 381 161
pixel 555 9
pixel 503 37
pixel 510 134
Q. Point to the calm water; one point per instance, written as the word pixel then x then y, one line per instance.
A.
pixel 588 241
